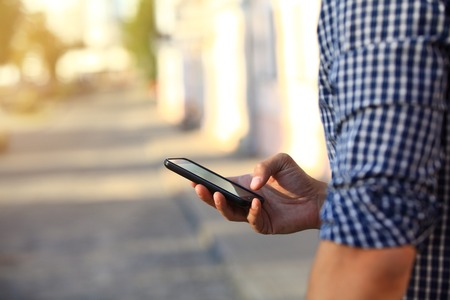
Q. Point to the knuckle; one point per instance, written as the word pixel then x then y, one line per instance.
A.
pixel 260 168
pixel 261 165
pixel 284 157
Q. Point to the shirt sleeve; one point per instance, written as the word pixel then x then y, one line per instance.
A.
pixel 390 82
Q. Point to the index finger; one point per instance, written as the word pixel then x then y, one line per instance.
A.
pixel 204 194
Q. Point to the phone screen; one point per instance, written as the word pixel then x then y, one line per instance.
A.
pixel 214 182
pixel 213 178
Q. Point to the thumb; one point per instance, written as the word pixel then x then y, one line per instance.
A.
pixel 269 167
pixel 257 182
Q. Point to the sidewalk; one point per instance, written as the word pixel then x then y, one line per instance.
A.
pixel 262 267
pixel 83 215
pixel 88 211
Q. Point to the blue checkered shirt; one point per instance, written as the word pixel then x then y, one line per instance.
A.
pixel 384 80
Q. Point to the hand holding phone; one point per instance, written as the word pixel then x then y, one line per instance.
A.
pixel 214 182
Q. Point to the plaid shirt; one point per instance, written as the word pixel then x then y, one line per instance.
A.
pixel 384 78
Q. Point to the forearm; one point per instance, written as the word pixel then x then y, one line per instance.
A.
pixel 342 272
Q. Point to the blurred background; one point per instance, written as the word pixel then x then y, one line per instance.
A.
pixel 94 94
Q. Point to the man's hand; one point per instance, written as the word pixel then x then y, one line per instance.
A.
pixel 293 198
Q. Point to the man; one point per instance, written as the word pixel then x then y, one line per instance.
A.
pixel 384 217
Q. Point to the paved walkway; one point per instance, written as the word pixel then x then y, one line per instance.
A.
pixel 87 211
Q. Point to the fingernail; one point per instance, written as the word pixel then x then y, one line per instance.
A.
pixel 254 204
pixel 256 182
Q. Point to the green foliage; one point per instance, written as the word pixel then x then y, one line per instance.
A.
pixel 140 36
pixel 10 16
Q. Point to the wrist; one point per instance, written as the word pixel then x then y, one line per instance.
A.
pixel 321 195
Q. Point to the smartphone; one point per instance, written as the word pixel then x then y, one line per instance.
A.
pixel 195 172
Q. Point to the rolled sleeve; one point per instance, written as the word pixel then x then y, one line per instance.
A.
pixel 383 191
pixel 389 105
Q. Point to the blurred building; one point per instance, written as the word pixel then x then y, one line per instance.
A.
pixel 246 73
pixel 100 31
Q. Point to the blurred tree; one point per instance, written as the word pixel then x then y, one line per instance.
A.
pixel 140 36
pixel 45 43
pixel 10 16
pixel 33 36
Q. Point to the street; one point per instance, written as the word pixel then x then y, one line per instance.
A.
pixel 81 216
pixel 88 211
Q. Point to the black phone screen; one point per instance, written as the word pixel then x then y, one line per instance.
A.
pixel 213 178
pixel 213 181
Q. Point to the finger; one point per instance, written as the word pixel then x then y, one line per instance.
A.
pixel 254 215
pixel 204 194
pixel 267 168
pixel 226 210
